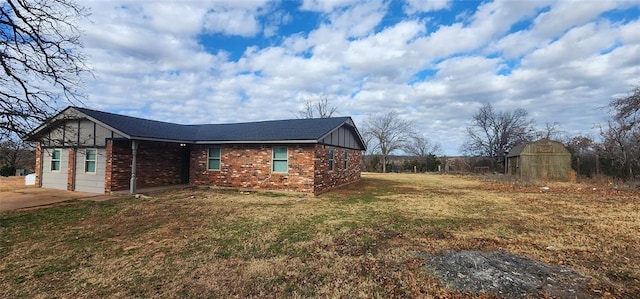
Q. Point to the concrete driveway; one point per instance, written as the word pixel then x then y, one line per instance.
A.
pixel 37 197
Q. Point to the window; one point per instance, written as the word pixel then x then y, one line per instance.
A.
pixel 55 160
pixel 90 161
pixel 331 152
pixel 345 158
pixel 279 161
pixel 214 158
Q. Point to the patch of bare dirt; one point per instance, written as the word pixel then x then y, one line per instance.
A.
pixel 504 274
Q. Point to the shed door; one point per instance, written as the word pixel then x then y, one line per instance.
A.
pixel 90 170
pixel 55 168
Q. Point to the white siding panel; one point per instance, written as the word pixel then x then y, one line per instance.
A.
pixel 86 132
pixel 55 179
pixel 90 182
pixel 102 134
pixel 55 136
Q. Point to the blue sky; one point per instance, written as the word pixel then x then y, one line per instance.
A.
pixel 432 62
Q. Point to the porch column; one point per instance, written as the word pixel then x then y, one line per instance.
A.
pixel 134 152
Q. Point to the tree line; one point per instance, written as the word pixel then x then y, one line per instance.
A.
pixel 493 133
pixel 615 152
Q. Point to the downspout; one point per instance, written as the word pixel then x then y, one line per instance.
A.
pixel 134 152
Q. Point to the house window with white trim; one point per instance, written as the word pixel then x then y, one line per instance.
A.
pixel 55 159
pixel 345 158
pixel 213 160
pixel 90 156
pixel 331 156
pixel 279 162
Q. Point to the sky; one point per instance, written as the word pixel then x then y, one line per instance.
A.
pixel 434 63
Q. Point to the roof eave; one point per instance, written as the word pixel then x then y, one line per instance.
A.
pixel 158 139
pixel 53 119
pixel 306 141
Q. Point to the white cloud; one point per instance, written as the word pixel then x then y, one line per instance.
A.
pixel 232 22
pixel 566 62
pixel 274 21
pixel 561 17
pixel 387 53
pixel 566 14
pixel 415 6
pixel 577 44
pixel 359 20
pixel 326 6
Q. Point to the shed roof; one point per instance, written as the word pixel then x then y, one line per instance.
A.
pixel 521 149
pixel 295 130
pixel 516 150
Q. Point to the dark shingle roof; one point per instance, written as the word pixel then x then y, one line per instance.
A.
pixel 140 127
pixel 290 129
pixel 516 150
pixel 277 130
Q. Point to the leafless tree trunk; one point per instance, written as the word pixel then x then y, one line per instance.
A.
pixel 16 154
pixel 492 133
pixel 420 147
pixel 389 133
pixel 40 61
pixel 319 108
pixel 621 144
pixel 621 139
pixel 551 131
pixel 584 149
pixel 628 108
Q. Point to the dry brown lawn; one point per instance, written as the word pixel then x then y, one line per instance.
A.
pixel 359 241
pixel 12 183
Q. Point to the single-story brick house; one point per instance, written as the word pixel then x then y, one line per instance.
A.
pixel 94 151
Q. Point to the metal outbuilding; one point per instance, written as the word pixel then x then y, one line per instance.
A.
pixel 543 159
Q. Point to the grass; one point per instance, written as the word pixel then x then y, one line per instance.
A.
pixel 359 241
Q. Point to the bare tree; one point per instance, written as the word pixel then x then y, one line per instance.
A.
pixel 584 151
pixel 423 149
pixel 621 137
pixel 552 131
pixel 319 108
pixel 494 132
pixel 389 133
pixel 40 60
pixel 419 146
pixel 14 153
pixel 628 108
pixel 621 145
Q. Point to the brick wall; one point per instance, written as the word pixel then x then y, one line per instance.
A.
pixel 158 164
pixel 71 169
pixel 249 166
pixel 118 171
pixel 242 166
pixel 108 166
pixel 38 169
pixel 326 179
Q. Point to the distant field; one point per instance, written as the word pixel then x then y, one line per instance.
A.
pixel 359 241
